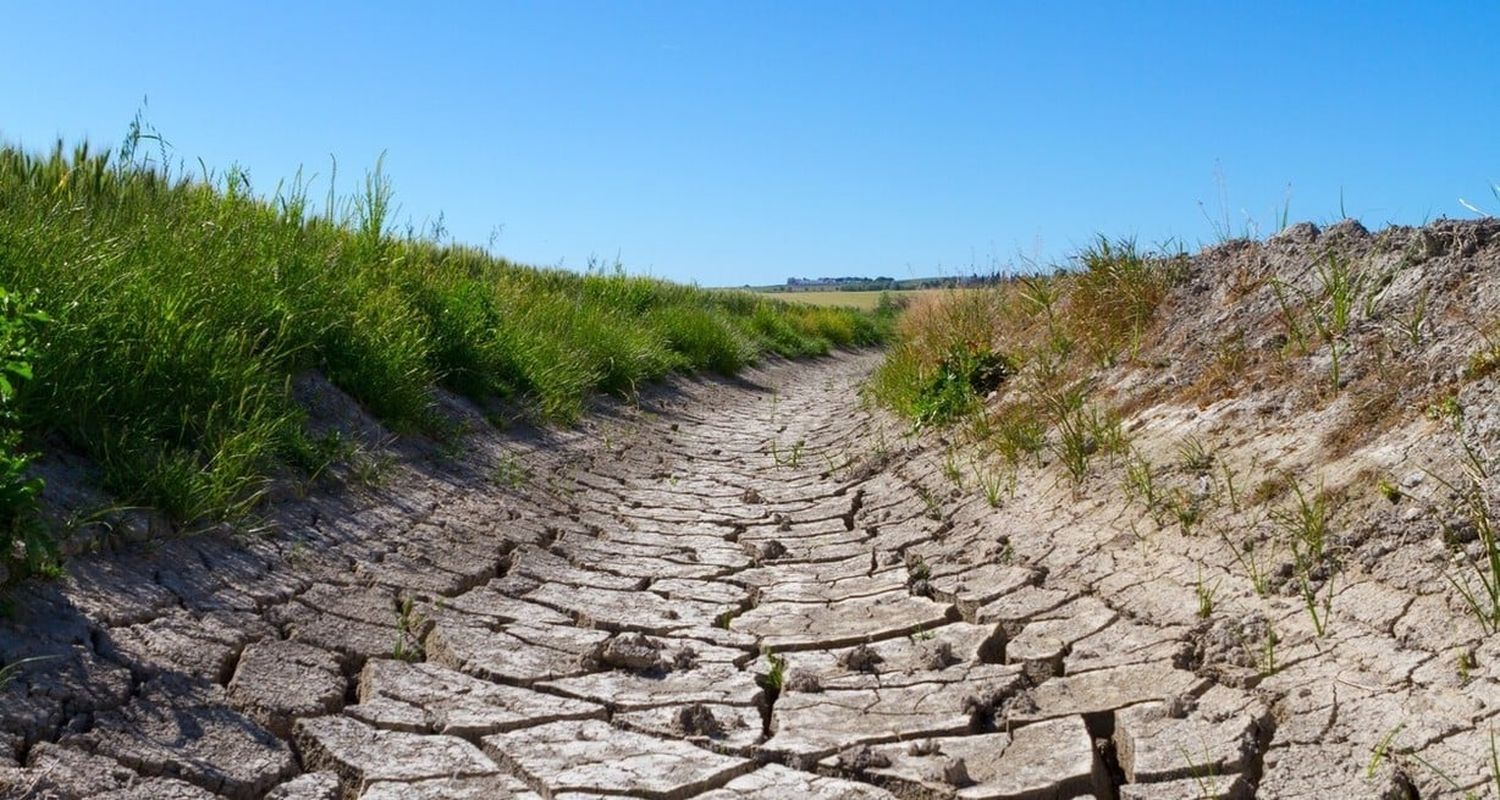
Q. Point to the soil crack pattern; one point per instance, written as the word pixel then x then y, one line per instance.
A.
pixel 731 589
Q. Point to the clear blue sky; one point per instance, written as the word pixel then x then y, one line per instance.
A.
pixel 749 142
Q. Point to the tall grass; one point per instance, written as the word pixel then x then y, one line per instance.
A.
pixel 183 305
pixel 1051 332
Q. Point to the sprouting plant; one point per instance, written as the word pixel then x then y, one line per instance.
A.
pixel 993 483
pixel 951 470
pixel 1230 474
pixel 1341 286
pixel 405 629
pixel 1318 609
pixel 1447 409
pixel 1410 325
pixel 1296 334
pixel 1306 522
pixel 918 570
pixel 1254 565
pixel 726 618
pixel 794 457
pixel 1380 751
pixel 775 679
pixel 1187 508
pixel 933 509
pixel 1483 602
pixel 1266 664
pixel 1074 445
pixel 1389 491
pixel 1206 593
pixel 1140 483
pixel 1485 360
pixel 1204 773
pixel 1466 666
pixel 371 470
pixel 510 472
pixel 1193 456
pixel 1494 765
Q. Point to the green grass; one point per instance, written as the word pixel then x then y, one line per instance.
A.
pixel 183 305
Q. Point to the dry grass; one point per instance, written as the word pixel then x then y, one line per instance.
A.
pixel 867 301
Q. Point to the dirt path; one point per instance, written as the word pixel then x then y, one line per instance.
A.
pixel 739 589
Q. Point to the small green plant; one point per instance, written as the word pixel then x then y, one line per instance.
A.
pixel 1140 483
pixel 1187 508
pixel 951 470
pixel 1484 361
pixel 371 470
pixel 774 680
pixel 1229 474
pixel 405 631
pixel 1410 325
pixel 1306 523
pixel 1390 491
pixel 18 491
pixel 1447 409
pixel 1254 565
pixel 1466 666
pixel 933 508
pixel 1483 602
pixel 1494 765
pixel 1193 457
pixel 1204 773
pixel 993 483
pixel 1381 750
pixel 509 472
pixel 1319 609
pixel 1206 593
pixel 962 378
pixel 1266 664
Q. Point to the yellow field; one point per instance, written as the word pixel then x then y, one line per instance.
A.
pixel 863 300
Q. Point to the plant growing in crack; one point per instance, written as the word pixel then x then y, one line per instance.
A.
pixel 775 678
pixel 1187 508
pixel 932 509
pixel 510 472
pixel 951 470
pixel 1265 659
pixel 1483 601
pixel 1320 609
pixel 1250 559
pixel 1229 474
pixel 787 458
pixel 1193 456
pixel 1306 522
pixel 1206 593
pixel 1204 773
pixel 1140 483
pixel 406 623
pixel 1492 784
pixel 994 484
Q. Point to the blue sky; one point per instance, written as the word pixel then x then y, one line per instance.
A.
pixel 749 142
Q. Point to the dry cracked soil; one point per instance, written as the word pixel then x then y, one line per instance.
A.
pixel 731 589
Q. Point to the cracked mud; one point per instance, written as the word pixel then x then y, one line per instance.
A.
pixel 731 591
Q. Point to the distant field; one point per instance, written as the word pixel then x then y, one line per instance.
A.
pixel 864 300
